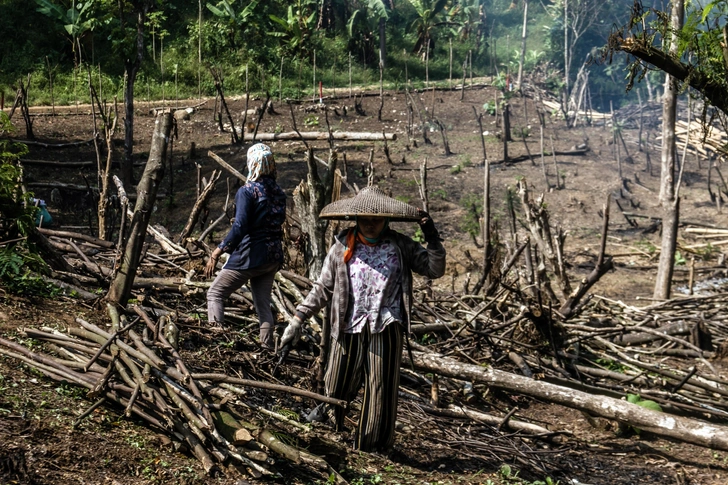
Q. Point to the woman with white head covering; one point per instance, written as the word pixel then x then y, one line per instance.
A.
pixel 254 244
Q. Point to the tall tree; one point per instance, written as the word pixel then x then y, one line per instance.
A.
pixel 524 36
pixel 666 41
pixel 132 16
pixel 233 22
pixel 575 20
pixel 120 288
pixel 427 22
pixel 379 11
pixel 669 200
pixel 704 34
pixel 295 30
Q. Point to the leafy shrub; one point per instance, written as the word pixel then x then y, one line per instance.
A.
pixel 470 223
pixel 490 107
pixel 439 194
pixel 19 270
pixel 19 262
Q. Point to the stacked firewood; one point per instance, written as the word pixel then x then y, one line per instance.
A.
pixel 136 366
pixel 527 316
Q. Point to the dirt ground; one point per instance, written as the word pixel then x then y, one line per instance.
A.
pixel 39 445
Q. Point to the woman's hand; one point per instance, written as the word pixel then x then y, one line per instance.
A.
pixel 211 265
pixel 427 226
pixel 210 268
pixel 292 333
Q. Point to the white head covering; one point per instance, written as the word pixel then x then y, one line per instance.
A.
pixel 260 162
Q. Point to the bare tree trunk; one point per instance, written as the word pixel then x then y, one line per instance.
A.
pixel 566 53
pixel 524 35
pixel 120 288
pixel 131 69
pixel 381 89
pixel 450 82
pixel 199 206
pixel 199 50
pixel 541 124
pixel 668 201
pixel 310 197
pixel 383 42
pixel 487 247
pixel 24 110
pixel 217 76
pixel 549 244
pixel 104 172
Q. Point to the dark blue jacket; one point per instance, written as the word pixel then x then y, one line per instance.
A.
pixel 256 235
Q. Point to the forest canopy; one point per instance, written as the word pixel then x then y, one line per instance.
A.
pixel 260 40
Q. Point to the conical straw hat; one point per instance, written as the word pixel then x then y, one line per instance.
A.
pixel 370 201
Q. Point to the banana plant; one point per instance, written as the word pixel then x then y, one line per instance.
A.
pixel 295 29
pixel 233 21
pixel 358 23
pixel 427 22
pixel 76 21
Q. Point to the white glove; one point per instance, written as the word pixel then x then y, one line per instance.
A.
pixel 292 333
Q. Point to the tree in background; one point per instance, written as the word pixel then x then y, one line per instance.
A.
pixel 704 34
pixel 358 24
pixel 693 51
pixel 232 22
pixel 128 40
pixel 668 194
pixel 578 26
pixel 295 31
pixel 426 24
pixel 77 21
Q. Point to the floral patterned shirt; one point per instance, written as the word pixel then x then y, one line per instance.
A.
pixel 375 273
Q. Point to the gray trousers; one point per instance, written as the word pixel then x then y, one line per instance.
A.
pixel 261 284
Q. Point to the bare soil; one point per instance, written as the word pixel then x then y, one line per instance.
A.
pixel 38 443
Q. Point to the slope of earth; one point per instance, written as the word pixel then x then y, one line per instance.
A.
pixel 38 443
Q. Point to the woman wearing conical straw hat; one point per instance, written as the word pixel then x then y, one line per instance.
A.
pixel 367 283
pixel 254 243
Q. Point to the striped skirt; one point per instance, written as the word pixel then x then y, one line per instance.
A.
pixel 373 359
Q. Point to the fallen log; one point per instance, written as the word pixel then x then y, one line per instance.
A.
pixel 661 424
pixel 678 328
pixel 270 386
pixel 58 164
pixel 75 235
pixel 321 135
pixel 169 109
pixel 80 188
pixel 460 412
pixel 577 152
pixel 55 145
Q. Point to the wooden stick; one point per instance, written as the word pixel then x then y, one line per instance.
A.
pixel 227 166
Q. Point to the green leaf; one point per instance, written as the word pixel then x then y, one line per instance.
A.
pixel 633 398
pixel 247 11
pixel 216 11
pixel 379 9
pixel 50 9
pixel 351 22
pixel 651 405
pixel 279 21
